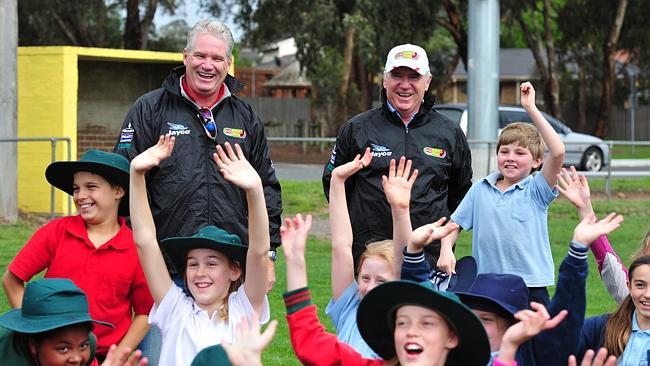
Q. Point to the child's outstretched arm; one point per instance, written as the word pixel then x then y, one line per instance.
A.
pixel 575 188
pixel 144 229
pixel 341 229
pixel 237 170
pixel 311 343
pixel 553 162
pixel 530 323
pixel 294 240
pixel 414 265
pixel 397 188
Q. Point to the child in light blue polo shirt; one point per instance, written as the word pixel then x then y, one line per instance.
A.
pixel 508 209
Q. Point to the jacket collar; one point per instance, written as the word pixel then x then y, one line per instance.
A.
pixel 425 107
pixel 172 82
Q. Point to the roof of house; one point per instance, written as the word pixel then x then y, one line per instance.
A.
pixel 290 76
pixel 514 64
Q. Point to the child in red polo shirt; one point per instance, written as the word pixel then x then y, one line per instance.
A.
pixel 94 249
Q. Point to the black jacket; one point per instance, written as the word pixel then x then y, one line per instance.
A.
pixel 187 191
pixel 435 144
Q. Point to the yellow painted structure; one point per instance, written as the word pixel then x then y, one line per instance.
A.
pixel 48 80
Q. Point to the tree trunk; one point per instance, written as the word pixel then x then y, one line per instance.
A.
pixel 454 25
pixel 132 35
pixel 553 85
pixel 348 52
pixel 609 48
pixel 446 78
pixel 582 96
pixel 364 84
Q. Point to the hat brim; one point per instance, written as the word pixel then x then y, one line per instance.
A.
pixel 61 175
pixel 176 249
pixel 466 272
pixel 468 298
pixel 378 304
pixel 14 320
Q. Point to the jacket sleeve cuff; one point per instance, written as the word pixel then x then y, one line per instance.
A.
pixel 297 299
pixel 578 250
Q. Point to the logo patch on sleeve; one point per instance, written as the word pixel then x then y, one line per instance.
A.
pixel 126 135
pixel 435 152
pixel 234 132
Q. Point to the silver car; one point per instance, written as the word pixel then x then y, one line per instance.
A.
pixel 585 152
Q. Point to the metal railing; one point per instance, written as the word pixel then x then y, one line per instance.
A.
pixel 53 141
pixel 607 173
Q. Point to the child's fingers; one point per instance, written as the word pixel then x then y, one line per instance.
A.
pixel 407 168
pixel 230 152
pixel 391 168
pixel 307 224
pixel 553 322
pixel 240 152
pixel 268 333
pixel 413 176
pixel 401 166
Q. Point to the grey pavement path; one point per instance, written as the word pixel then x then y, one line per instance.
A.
pixel 307 172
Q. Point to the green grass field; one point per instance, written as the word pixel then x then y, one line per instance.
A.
pixel 306 197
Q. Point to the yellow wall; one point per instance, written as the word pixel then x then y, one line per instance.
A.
pixel 47 107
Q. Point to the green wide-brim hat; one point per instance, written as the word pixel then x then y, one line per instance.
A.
pixel 210 356
pixel 113 167
pixel 208 237
pixel 48 304
pixel 376 320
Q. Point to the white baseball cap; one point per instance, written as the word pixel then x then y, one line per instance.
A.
pixel 409 55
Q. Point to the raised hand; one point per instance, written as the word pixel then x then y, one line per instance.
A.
pixel 527 93
pixel 600 359
pixel 249 343
pixel 589 229
pixel 235 168
pixel 154 155
pixel 575 188
pixel 531 323
pixel 425 234
pixel 348 169
pixel 124 358
pixel 294 234
pixel 397 186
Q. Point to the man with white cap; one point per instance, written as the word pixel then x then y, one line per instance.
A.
pixel 404 125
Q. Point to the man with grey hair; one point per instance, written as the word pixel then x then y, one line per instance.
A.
pixel 197 105
pixel 404 125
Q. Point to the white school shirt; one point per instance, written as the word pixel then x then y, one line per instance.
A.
pixel 187 329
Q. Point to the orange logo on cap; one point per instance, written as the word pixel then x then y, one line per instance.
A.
pixel 407 54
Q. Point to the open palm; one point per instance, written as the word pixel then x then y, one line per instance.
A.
pixel 235 168
pixel 154 155
pixel 397 186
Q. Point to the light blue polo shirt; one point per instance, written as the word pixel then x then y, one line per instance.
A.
pixel 510 230
pixel 343 313
pixel 637 348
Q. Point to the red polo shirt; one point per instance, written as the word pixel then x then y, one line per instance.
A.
pixel 111 275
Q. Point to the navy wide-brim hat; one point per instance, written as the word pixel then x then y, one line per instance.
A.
pixel 376 320
pixel 506 293
pixel 209 237
pixel 48 304
pixel 111 166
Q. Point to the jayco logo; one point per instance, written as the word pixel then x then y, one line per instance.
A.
pixel 435 152
pixel 378 151
pixel 177 129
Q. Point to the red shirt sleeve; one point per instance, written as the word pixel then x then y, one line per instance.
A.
pixel 314 346
pixel 37 253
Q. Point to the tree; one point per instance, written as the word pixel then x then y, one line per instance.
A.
pixel 171 37
pixel 136 27
pixel 536 19
pixel 89 23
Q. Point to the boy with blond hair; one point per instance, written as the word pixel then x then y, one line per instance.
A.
pixel 508 209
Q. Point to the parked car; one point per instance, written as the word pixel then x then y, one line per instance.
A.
pixel 585 152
